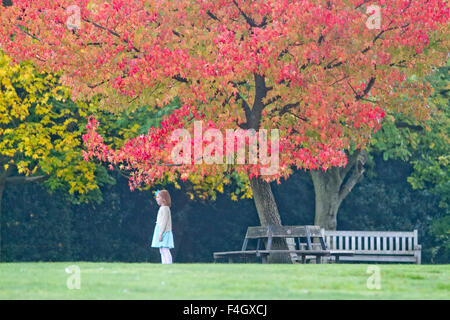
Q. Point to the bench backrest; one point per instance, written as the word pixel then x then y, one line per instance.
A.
pixel 383 242
pixel 295 232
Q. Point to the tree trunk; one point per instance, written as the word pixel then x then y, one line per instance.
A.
pixel 326 187
pixel 262 193
pixel 268 215
pixel 332 186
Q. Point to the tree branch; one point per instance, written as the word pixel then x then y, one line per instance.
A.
pixel 331 66
pixel 287 107
pixel 402 124
pixel 278 97
pixel 93 86
pixel 209 13
pixel 180 79
pixel 245 106
pixel 249 20
pixel 21 180
pixel 361 4
pixel 354 178
pixel 110 32
pixel 297 116
pixel 366 89
pixel 351 161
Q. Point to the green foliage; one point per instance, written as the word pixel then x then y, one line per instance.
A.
pixel 425 144
pixel 394 142
pixel 440 229
pixel 431 165
pixel 119 127
pixel 41 132
pixel 386 201
pixel 47 227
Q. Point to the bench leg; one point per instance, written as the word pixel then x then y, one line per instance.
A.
pixel 230 259
pixel 303 259
pixel 418 256
pixel 263 258
pixel 336 258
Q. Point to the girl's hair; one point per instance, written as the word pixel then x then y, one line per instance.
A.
pixel 165 196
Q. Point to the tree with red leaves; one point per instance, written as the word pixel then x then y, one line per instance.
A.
pixel 318 71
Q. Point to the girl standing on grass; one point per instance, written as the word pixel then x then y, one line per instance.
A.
pixel 162 235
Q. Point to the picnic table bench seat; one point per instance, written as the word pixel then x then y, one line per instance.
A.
pixel 265 253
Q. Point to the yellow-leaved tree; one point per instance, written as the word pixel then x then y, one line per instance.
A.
pixel 41 134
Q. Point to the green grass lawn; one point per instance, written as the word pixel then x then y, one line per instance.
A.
pixel 221 281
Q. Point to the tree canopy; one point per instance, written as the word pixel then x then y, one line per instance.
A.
pixel 312 69
pixel 41 133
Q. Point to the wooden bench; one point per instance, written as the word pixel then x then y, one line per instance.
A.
pixel 298 248
pixel 378 246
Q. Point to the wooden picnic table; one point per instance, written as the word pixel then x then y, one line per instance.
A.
pixel 299 248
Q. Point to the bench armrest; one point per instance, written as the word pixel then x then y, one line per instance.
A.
pixel 418 247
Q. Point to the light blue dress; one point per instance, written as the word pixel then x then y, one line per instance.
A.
pixel 167 237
